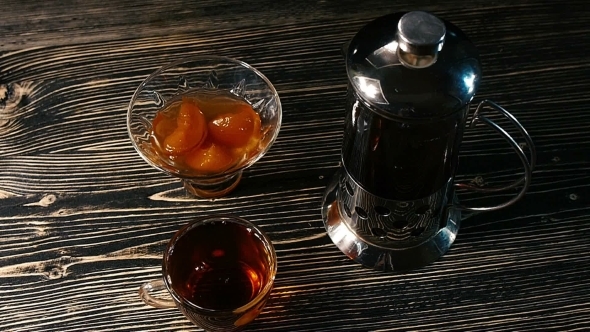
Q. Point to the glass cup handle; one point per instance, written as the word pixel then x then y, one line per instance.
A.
pixel 146 294
pixel 528 165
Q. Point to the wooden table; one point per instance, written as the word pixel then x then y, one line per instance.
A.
pixel 84 220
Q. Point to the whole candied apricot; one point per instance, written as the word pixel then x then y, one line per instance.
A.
pixel 190 129
pixel 210 157
pixel 214 105
pixel 251 146
pixel 235 129
pixel 163 125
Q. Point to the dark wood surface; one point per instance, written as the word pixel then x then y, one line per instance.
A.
pixel 84 220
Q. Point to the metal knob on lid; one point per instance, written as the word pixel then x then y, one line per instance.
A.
pixel 420 37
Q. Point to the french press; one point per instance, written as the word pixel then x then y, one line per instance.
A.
pixel 411 78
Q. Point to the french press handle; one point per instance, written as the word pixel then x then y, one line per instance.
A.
pixel 528 165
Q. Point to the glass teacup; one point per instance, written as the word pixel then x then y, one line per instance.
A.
pixel 219 272
pixel 209 156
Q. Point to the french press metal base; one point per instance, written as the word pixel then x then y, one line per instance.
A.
pixel 384 234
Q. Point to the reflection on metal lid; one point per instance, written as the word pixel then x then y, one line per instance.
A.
pixel 384 56
pixel 469 81
pixel 370 89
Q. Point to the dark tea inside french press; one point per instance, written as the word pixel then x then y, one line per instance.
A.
pixel 411 78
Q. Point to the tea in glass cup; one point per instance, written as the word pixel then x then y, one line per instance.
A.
pixel 219 271
pixel 204 119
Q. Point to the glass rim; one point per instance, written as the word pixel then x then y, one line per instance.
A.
pixel 220 59
pixel 237 220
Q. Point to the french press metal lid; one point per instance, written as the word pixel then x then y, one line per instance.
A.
pixel 413 66
pixel 411 78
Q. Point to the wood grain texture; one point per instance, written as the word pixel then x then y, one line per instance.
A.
pixel 84 220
